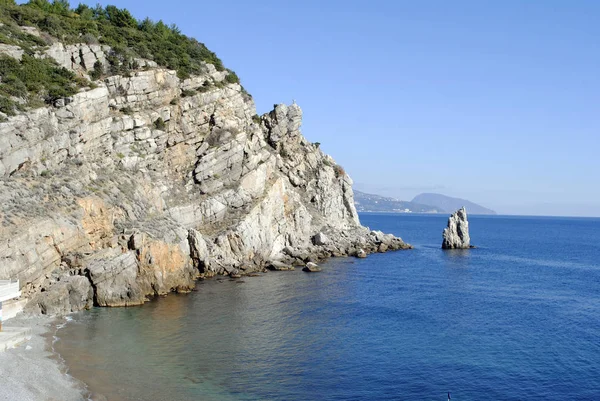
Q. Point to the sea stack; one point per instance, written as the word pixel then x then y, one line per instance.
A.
pixel 456 235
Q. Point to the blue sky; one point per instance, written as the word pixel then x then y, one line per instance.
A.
pixel 496 102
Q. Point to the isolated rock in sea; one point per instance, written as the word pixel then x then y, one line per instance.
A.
pixel 456 235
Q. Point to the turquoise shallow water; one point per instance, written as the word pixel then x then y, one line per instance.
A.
pixel 517 318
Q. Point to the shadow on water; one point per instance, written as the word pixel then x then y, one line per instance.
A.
pixel 457 255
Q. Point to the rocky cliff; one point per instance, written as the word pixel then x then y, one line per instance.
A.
pixel 142 183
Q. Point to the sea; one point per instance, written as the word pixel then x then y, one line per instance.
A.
pixel 517 318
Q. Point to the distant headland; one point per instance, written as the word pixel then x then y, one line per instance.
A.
pixel 423 203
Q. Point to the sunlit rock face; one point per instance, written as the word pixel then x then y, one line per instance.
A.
pixel 147 182
pixel 456 235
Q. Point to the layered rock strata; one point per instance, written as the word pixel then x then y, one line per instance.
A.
pixel 147 182
pixel 456 235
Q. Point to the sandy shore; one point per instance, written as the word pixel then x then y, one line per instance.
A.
pixel 32 372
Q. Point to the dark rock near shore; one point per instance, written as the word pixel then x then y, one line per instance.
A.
pixel 235 273
pixel 280 266
pixel 311 268
pixel 361 254
pixel 70 294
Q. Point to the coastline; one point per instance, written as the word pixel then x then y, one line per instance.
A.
pixel 33 371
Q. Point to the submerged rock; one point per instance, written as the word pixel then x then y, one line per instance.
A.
pixel 456 235
pixel 235 273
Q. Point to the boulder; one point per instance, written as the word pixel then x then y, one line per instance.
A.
pixel 456 235
pixel 321 239
pixel 311 268
pixel 115 281
pixel 69 294
pixel 279 266
pixel 361 254
pixel 235 273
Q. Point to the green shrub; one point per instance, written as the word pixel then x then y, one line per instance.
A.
pixel 34 79
pixel 188 93
pixel 256 118
pixel 247 95
pixel 165 44
pixel 160 124
pixel 97 71
pixel 120 18
pixel 7 106
pixel 232 78
pixel 90 39
pixel 14 86
pixel 206 86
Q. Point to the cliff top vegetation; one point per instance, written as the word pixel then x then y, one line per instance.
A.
pixel 31 81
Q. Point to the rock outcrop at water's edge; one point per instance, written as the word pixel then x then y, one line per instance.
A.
pixel 132 190
pixel 456 235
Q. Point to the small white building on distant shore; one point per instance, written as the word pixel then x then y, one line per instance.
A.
pixel 9 289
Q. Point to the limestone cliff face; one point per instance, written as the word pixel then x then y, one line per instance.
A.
pixel 145 183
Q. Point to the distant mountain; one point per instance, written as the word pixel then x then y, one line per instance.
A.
pixel 450 205
pixel 375 203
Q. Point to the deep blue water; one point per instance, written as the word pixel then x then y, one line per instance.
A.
pixel 518 318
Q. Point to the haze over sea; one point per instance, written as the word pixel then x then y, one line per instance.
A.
pixel 517 318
